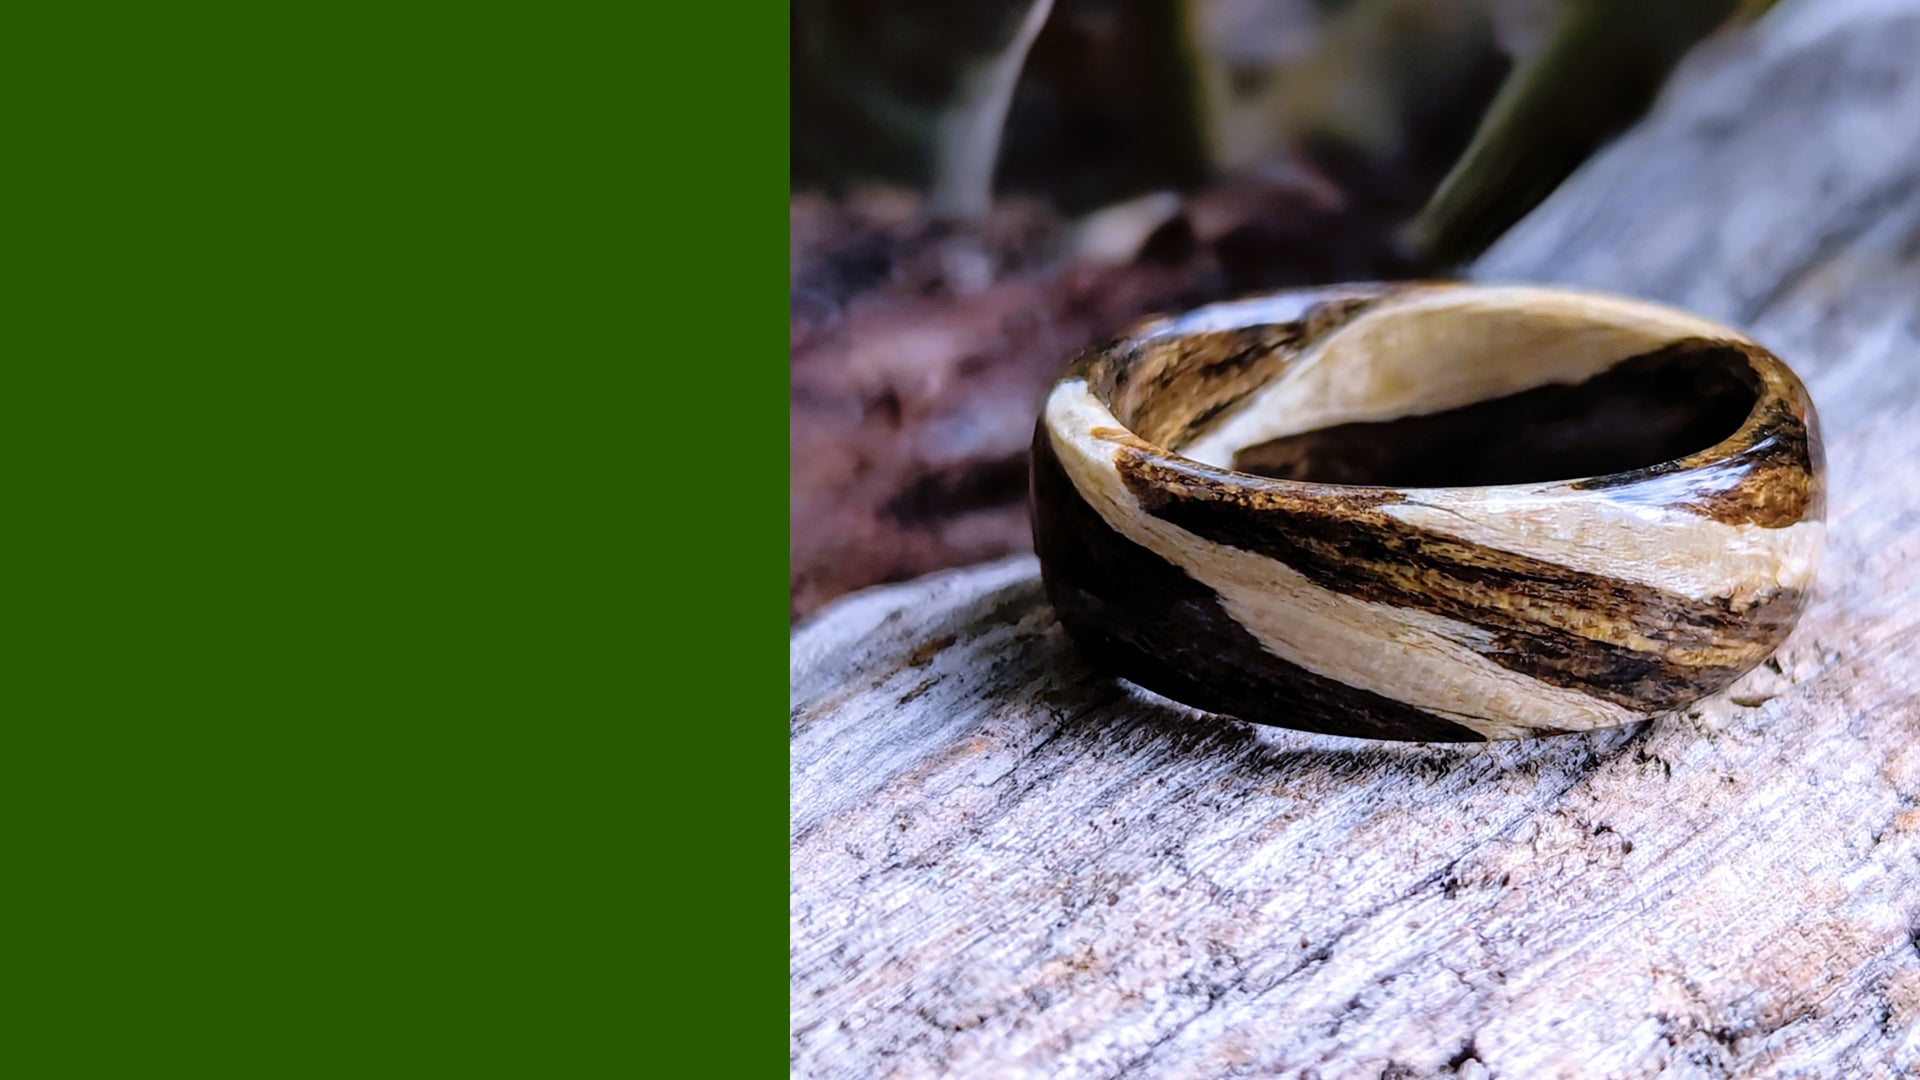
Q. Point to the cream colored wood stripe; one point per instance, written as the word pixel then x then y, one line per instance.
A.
pixel 1662 547
pixel 1424 660
pixel 1426 350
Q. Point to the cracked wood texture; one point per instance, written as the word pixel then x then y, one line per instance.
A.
pixel 1003 866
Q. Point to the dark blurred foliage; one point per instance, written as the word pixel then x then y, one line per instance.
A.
pixel 1113 98
pixel 1105 112
pixel 1597 71
pixel 1103 108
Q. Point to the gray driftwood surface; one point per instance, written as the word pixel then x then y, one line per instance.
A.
pixel 1002 866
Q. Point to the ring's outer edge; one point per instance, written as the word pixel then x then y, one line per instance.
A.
pixel 1422 614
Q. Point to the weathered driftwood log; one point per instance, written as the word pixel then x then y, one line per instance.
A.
pixel 1003 866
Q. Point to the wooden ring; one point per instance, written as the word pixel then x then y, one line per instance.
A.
pixel 1433 511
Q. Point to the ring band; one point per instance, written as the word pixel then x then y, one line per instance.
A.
pixel 1438 512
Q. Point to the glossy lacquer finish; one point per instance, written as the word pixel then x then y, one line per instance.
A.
pixel 1429 511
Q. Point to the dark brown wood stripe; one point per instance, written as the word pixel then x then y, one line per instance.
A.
pixel 1138 616
pixel 1171 390
pixel 1343 542
pixel 1641 412
pixel 1645 682
pixel 1166 389
pixel 1772 476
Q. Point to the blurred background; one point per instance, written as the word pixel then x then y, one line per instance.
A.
pixel 981 189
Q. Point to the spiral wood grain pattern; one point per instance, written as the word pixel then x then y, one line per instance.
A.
pixel 1431 511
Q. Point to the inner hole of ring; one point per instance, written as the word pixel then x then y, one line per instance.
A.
pixel 1643 411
